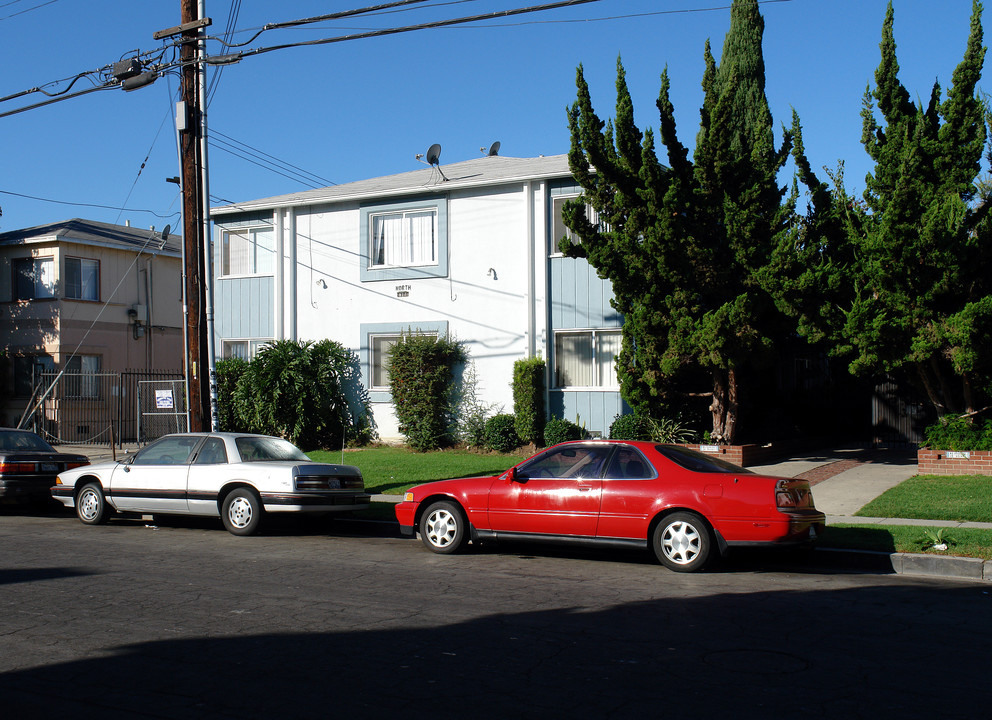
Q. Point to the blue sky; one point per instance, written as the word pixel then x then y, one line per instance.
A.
pixel 359 109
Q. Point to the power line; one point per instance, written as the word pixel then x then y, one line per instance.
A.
pixel 306 176
pixel 79 204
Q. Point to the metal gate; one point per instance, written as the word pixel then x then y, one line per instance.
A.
pixel 76 408
pixel 161 408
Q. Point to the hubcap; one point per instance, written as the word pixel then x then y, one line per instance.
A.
pixel 240 512
pixel 680 543
pixel 441 527
pixel 88 504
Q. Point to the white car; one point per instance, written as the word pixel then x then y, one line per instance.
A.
pixel 236 476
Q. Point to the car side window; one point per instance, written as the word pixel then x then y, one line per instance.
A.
pixel 167 451
pixel 213 452
pixel 568 462
pixel 629 464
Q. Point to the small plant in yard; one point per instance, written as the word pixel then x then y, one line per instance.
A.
pixel 558 430
pixel 501 433
pixel 935 540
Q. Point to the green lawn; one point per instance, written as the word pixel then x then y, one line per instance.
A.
pixel 393 470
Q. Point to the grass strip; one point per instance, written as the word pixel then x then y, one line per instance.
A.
pixel 967 542
pixel 960 498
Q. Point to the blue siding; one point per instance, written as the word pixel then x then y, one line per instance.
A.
pixel 578 299
pixel 243 307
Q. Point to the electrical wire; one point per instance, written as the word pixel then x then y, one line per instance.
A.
pixel 91 205
pixel 306 176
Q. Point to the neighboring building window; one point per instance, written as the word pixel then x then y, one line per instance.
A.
pixel 380 347
pixel 244 349
pixel 82 279
pixel 586 358
pixel 81 376
pixel 248 251
pixel 27 368
pixel 558 227
pixel 403 239
pixel 34 278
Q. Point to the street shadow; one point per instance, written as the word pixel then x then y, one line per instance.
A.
pixel 849 652
pixel 10 577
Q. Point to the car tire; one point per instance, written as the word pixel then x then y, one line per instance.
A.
pixel 91 505
pixel 682 542
pixel 241 512
pixel 442 528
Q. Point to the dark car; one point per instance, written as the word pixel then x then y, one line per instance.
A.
pixel 28 466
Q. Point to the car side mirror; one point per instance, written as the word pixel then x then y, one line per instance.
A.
pixel 512 475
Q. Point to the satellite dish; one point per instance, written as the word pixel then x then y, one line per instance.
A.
pixel 434 154
pixel 165 236
pixel 494 149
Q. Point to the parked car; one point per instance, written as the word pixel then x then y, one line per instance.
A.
pixel 28 466
pixel 680 503
pixel 236 476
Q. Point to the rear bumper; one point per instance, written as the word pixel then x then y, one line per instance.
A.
pixel 789 529
pixel 315 502
pixel 27 489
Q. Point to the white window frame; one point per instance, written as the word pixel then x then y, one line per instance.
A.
pixel 259 257
pixel 409 264
pixel 393 241
pixel 88 277
pixel 249 347
pixel 601 372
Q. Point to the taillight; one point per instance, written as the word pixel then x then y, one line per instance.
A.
pixel 74 465
pixel 789 495
pixel 17 467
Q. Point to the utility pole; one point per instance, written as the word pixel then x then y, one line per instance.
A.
pixel 194 240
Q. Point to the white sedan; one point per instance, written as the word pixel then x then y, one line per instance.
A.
pixel 236 476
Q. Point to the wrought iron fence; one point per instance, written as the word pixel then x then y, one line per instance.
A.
pixel 78 408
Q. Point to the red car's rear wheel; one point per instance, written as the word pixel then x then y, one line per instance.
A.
pixel 682 542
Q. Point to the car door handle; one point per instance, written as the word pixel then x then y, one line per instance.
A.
pixel 584 488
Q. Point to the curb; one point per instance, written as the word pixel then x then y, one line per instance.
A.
pixel 913 564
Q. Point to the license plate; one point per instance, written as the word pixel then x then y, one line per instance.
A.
pixel 49 467
pixel 334 483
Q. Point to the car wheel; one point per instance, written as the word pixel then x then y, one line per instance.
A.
pixel 682 542
pixel 442 528
pixel 91 505
pixel 241 512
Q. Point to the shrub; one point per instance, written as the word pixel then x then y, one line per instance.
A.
pixel 630 427
pixel 959 433
pixel 528 399
pixel 229 372
pixel 305 392
pixel 558 430
pixel 472 413
pixel 421 378
pixel 501 433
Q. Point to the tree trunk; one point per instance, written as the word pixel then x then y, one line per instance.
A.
pixel 724 406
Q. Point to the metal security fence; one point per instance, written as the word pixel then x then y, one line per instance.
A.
pixel 161 408
pixel 78 408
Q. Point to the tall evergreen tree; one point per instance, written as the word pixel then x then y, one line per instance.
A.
pixel 686 245
pixel 902 276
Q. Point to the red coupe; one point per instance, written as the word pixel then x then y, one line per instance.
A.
pixel 679 502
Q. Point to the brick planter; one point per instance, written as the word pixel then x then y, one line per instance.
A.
pixel 950 462
pixel 743 455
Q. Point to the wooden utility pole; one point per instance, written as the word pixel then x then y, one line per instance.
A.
pixel 195 281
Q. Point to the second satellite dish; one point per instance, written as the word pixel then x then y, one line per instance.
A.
pixel 434 154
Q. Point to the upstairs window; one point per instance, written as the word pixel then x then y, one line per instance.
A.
pixel 34 278
pixel 403 239
pixel 406 240
pixel 560 230
pixel 248 251
pixel 82 279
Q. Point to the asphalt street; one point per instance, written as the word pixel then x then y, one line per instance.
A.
pixel 179 619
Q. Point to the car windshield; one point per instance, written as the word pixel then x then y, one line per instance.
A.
pixel 20 440
pixel 260 449
pixel 697 461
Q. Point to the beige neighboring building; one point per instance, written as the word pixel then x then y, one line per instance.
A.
pixel 87 297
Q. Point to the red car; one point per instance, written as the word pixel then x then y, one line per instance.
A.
pixel 679 502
